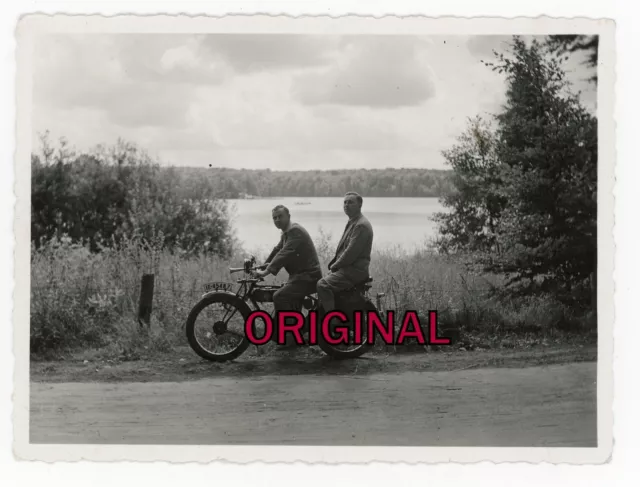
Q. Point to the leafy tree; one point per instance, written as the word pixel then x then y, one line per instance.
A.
pixel 475 200
pixel 538 188
pixel 99 197
pixel 547 145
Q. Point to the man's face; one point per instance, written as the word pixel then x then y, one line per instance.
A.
pixel 280 218
pixel 351 205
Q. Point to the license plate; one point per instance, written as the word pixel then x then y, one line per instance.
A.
pixel 217 286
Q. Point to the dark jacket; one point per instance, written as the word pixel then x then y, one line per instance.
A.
pixel 353 254
pixel 296 253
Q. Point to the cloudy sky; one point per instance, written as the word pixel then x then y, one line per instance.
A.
pixel 277 101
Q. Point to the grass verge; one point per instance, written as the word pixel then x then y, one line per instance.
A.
pixel 83 302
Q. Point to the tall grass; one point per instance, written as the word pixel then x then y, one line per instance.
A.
pixel 85 300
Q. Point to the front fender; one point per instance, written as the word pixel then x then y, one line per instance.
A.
pixel 233 296
pixel 224 297
pixel 217 292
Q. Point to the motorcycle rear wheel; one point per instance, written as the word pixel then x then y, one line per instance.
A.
pixel 339 351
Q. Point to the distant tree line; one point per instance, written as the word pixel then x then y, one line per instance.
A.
pixel 391 182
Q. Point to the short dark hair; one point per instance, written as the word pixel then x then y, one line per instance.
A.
pixel 280 207
pixel 353 193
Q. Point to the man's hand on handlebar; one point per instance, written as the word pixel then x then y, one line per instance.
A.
pixel 262 271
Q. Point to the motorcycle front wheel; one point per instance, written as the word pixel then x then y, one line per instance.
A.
pixel 215 327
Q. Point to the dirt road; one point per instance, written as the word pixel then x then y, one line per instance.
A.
pixel 526 407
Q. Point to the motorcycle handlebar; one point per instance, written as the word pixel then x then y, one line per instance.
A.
pixel 254 279
pixel 233 270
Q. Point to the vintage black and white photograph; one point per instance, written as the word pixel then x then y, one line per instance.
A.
pixel 370 234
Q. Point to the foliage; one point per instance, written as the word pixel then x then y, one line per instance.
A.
pixel 101 196
pixel 406 182
pixel 561 45
pixel 529 186
pixel 475 201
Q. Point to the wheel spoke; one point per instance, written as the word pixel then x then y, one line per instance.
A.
pixel 217 329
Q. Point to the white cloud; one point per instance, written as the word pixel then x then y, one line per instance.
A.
pixel 484 46
pixel 128 79
pixel 385 72
pixel 269 52
pixel 266 101
pixel 255 113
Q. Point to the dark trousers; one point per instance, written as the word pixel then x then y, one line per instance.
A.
pixel 331 284
pixel 290 296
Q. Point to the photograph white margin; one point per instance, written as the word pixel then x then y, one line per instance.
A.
pixel 32 25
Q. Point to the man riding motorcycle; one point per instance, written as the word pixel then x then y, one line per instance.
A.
pixel 296 253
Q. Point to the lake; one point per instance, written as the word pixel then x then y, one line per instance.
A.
pixel 403 222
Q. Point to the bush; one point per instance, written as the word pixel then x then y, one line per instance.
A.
pixel 83 299
pixel 110 194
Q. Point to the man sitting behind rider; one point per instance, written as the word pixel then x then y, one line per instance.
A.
pixel 297 254
pixel 350 265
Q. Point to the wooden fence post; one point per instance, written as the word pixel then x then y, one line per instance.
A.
pixel 146 300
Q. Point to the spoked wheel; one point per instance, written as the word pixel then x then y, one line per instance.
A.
pixel 215 327
pixel 355 344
